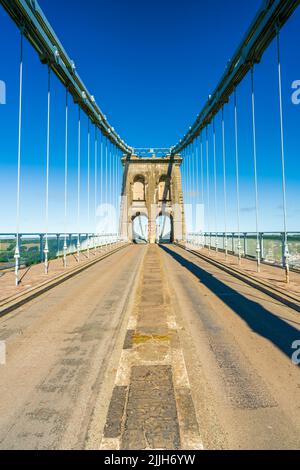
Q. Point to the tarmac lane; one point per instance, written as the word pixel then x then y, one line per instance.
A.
pixel 238 351
pixel 59 348
pixel 151 348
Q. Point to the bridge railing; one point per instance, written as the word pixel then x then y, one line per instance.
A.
pixel 60 245
pixel 272 245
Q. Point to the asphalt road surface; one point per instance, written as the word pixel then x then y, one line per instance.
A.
pixel 59 348
pixel 238 352
pixel 64 348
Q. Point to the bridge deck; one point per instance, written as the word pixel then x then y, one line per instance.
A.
pixel 34 275
pixel 150 348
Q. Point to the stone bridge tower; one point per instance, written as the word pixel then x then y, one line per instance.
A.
pixel 152 187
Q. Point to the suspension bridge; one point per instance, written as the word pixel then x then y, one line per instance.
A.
pixel 154 326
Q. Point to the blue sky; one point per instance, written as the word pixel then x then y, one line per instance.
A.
pixel 151 66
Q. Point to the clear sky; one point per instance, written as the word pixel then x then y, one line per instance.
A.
pixel 151 66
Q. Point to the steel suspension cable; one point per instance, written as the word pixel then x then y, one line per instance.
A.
pixel 184 175
pixel 88 184
pixel 224 184
pixel 119 193
pixel 111 189
pixel 202 187
pixel 46 250
pixel 215 185
pixel 282 147
pixel 237 175
pixel 185 162
pixel 202 168
pixel 115 189
pixel 17 249
pixel 190 187
pixel 101 179
pixel 78 184
pixel 106 181
pixel 66 175
pixel 258 249
pixel 208 189
pixel 96 187
pixel 197 187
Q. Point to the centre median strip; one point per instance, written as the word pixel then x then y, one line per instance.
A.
pixel 151 405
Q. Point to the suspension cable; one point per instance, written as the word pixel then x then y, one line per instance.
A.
pixel 17 249
pixel 258 249
pixel 202 168
pixel 197 188
pixel 66 175
pixel 284 197
pixel 184 176
pixel 106 182
pixel 215 185
pixel 96 188
pixel 115 189
pixel 88 184
pixel 202 188
pixel 101 177
pixel 185 192
pixel 111 191
pixel 208 189
pixel 46 250
pixel 237 175
pixel 119 193
pixel 225 184
pixel 188 183
pixel 191 186
pixel 78 184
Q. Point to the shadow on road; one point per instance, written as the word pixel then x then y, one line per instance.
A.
pixel 259 319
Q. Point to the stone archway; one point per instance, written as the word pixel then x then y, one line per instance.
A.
pixel 140 228
pixel 164 228
pixel 152 186
pixel 139 189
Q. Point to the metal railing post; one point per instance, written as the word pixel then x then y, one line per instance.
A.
pixel 245 244
pixel 42 248
pixel 57 245
pixel 261 246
